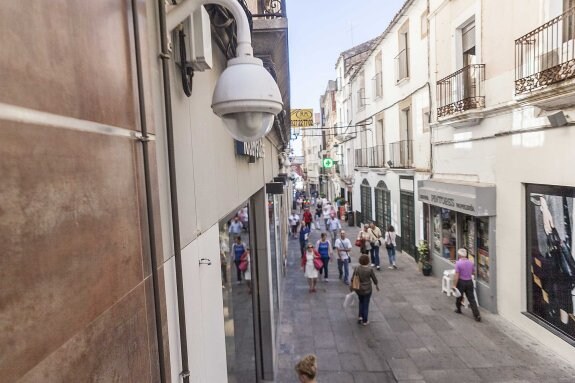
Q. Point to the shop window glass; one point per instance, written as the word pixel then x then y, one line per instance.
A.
pixel 448 234
pixel 436 230
pixel 483 249
pixel 238 305
pixel 550 257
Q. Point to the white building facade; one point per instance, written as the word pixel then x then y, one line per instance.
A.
pixel 502 142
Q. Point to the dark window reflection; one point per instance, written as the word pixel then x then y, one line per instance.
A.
pixel 236 272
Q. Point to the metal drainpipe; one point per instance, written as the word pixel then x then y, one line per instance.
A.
pixel 173 191
pixel 149 198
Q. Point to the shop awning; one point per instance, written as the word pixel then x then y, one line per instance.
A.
pixel 475 199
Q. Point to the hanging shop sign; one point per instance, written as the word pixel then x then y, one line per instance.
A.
pixel 327 163
pixel 472 199
pixel 250 149
pixel 301 118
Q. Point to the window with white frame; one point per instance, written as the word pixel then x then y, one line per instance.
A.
pixel 402 58
pixel 378 78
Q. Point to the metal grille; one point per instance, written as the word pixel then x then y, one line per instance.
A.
pixel 546 55
pixel 461 91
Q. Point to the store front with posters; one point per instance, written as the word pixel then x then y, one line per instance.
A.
pixel 550 258
pixel 462 215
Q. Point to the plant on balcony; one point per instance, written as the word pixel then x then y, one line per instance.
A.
pixel 424 257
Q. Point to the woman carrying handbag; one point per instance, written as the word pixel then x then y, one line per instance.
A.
pixel 363 275
pixel 310 264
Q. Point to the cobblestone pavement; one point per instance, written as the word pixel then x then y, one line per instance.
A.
pixel 413 336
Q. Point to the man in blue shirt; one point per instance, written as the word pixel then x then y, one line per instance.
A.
pixel 303 236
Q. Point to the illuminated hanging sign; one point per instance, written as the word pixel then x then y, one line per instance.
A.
pixel 301 118
pixel 327 163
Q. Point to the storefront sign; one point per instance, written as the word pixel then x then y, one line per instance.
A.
pixel 251 149
pixel 301 118
pixel 467 199
pixel 327 163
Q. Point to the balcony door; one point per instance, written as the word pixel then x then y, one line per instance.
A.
pixel 469 58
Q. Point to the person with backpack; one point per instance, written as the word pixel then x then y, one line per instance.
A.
pixel 390 246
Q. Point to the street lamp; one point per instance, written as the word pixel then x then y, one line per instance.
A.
pixel 246 96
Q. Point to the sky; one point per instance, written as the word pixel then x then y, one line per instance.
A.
pixel 319 30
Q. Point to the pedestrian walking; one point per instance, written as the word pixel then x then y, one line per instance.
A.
pixel 390 246
pixel 247 268
pixel 224 249
pixel 463 280
pixel 343 248
pixel 334 228
pixel 306 369
pixel 366 277
pixel 307 218
pixel 375 234
pixel 318 213
pixel 293 220
pixel 236 227
pixel 303 237
pixel 364 236
pixel 238 249
pixel 326 214
pixel 308 266
pixel 323 247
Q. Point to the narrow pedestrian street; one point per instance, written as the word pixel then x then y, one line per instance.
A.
pixel 414 334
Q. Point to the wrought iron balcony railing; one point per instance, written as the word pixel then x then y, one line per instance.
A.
pixel 546 55
pixel 401 65
pixel 461 91
pixel 270 9
pixel 373 157
pixel 401 154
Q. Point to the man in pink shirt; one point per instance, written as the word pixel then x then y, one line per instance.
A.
pixel 464 283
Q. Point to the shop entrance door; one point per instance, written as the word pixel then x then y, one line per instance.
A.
pixel 407 210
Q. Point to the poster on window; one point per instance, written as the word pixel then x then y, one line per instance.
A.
pixel 551 260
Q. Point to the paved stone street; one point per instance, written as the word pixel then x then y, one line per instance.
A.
pixel 413 335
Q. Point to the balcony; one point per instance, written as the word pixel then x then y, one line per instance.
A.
pixel 401 66
pixel 545 61
pixel 461 92
pixel 370 157
pixel 401 154
pixel 267 9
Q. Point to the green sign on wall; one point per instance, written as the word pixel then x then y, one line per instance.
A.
pixel 327 163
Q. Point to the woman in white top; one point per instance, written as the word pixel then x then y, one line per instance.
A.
pixel 390 246
pixel 307 265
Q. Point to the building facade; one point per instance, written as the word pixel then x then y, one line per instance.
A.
pixel 116 223
pixel 454 132
pixel 501 130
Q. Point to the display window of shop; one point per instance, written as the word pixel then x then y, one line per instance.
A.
pixel 550 257
pixel 448 234
pixel 237 273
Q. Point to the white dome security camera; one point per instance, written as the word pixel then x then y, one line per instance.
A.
pixel 247 98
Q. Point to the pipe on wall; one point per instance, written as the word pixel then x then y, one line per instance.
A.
pixel 165 56
pixel 148 188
